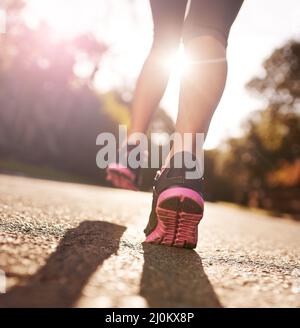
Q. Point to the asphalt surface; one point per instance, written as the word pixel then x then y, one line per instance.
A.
pixel 71 245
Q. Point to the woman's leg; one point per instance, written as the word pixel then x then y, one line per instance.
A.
pixel 202 86
pixel 178 204
pixel 206 32
pixel 168 18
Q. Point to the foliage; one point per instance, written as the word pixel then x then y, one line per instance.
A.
pixel 264 162
pixel 49 115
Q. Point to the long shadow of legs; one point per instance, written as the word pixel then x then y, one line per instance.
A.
pixel 175 277
pixel 60 281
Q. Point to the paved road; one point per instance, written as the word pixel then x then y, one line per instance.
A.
pixel 64 244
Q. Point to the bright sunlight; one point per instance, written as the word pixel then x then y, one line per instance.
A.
pixel 178 63
pixel 67 18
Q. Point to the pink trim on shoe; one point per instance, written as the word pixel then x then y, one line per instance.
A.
pixel 176 227
pixel 122 169
pixel 182 193
pixel 121 176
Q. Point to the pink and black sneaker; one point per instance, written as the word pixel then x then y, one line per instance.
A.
pixel 123 176
pixel 177 208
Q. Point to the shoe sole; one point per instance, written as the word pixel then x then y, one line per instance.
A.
pixel 121 177
pixel 179 212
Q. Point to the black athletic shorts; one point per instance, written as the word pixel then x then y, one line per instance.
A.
pixel 205 17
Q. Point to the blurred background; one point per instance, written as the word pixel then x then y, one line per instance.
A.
pixel 68 70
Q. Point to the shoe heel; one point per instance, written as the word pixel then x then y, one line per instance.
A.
pixel 121 177
pixel 179 211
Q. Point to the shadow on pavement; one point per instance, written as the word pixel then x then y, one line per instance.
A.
pixel 60 281
pixel 174 277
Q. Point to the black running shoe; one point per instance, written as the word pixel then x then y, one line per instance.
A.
pixel 177 208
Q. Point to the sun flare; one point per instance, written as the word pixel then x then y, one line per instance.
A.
pixel 178 63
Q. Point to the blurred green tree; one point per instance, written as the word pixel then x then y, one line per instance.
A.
pixel 50 115
pixel 256 167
